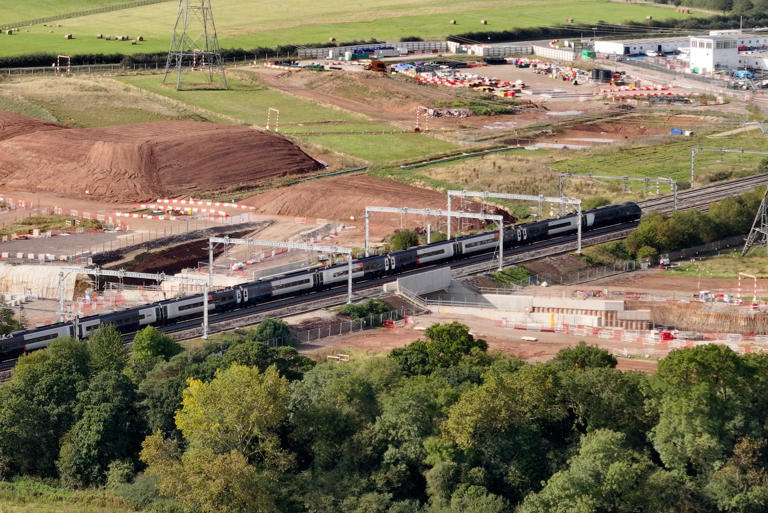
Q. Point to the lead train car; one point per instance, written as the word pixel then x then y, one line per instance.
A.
pixel 302 282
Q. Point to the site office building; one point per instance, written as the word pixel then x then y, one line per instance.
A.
pixel 720 50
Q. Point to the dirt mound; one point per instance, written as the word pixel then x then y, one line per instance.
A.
pixel 147 160
pixel 338 198
pixel 12 125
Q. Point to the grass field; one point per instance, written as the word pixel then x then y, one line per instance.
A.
pixel 249 24
pixel 673 159
pixel 31 9
pixel 728 266
pixel 248 101
pixel 87 102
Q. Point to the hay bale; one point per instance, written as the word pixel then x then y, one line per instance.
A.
pixel 59 25
pixel 452 22
pixel 649 17
pixel 133 42
pixel 140 38
pixel 67 36
pixel 332 39
pixel 9 32
pixel 99 36
pixel 108 38
pixel 569 20
pixel 484 22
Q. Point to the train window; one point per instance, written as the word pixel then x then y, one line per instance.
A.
pixel 478 243
pixel 190 306
pixel 432 253
pixel 560 224
pixel 341 273
pixel 302 281
pixel 42 338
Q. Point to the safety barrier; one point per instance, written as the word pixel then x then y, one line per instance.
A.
pixel 204 203
pixel 739 343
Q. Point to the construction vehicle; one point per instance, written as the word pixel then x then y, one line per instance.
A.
pixel 377 66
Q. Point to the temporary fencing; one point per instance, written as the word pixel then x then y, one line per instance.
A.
pixel 651 339
pixel 204 203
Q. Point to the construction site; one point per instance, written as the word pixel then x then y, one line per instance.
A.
pixel 274 168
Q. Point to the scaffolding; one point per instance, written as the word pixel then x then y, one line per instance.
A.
pixel 499 220
pixel 283 245
pixel 540 199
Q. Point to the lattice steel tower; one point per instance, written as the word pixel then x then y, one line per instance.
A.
pixel 758 235
pixel 195 47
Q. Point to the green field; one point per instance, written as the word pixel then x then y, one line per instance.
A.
pixel 249 24
pixel 673 159
pixel 11 12
pixel 247 102
pixel 727 266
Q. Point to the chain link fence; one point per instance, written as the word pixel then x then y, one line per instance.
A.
pixel 342 327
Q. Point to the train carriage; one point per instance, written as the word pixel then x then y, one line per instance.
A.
pixel 294 283
pixel 184 307
pixel 478 243
pixel 339 273
pixel 41 337
pixel 256 291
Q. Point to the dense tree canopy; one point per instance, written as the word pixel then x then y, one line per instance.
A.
pixel 438 426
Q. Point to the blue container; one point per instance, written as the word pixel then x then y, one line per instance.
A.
pixel 676 131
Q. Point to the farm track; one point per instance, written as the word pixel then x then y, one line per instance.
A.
pixel 701 197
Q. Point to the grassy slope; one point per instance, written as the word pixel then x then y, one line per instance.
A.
pixel 728 266
pixel 536 172
pixel 30 9
pixel 249 102
pixel 86 102
pixel 671 160
pixel 249 23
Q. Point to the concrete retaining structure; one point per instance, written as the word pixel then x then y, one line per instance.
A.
pixel 422 283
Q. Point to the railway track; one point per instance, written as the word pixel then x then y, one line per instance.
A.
pixel 701 197
pixel 692 198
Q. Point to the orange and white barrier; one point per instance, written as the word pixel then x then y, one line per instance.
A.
pixel 204 203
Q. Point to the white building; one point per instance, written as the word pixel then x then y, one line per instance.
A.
pixel 728 50
pixel 708 53
pixel 641 46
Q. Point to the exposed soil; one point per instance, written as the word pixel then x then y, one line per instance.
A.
pixel 142 161
pixel 345 197
pixel 505 340
pixel 12 125
pixel 172 260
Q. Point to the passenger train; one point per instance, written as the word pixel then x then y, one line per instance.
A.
pixel 301 282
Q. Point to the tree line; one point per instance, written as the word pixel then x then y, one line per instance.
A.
pixel 441 425
pixel 659 233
